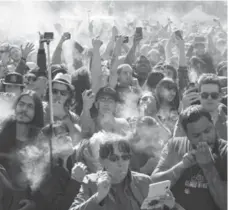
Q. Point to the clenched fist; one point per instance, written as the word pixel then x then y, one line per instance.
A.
pixel 103 186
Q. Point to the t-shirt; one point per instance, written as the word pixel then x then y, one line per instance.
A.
pixel 191 190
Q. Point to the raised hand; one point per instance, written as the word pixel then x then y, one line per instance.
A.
pixel 189 97
pixel 203 154
pixel 96 43
pixel 66 36
pixel 88 99
pixel 103 185
pixel 30 47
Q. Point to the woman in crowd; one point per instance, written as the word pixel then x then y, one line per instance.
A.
pixel 167 94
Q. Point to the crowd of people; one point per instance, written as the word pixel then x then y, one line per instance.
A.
pixel 148 108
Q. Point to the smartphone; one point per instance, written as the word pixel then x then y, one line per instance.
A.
pixel 139 32
pixel 179 34
pixel 78 47
pixel 159 189
pixel 48 35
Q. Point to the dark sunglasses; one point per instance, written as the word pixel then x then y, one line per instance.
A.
pixel 115 158
pixel 62 92
pixel 214 95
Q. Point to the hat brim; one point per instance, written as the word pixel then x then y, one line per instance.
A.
pixel 64 83
pixel 20 85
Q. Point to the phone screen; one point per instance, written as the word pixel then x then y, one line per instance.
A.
pixel 139 32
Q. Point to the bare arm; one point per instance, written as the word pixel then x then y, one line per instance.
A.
pixel 170 166
pixel 56 58
pixel 217 187
pixel 172 174
pixel 131 55
pixel 115 62
pixel 96 66
pixel 168 51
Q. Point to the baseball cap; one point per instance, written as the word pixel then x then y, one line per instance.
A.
pixel 107 91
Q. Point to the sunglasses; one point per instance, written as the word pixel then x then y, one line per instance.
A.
pixel 115 158
pixel 106 99
pixel 62 92
pixel 214 95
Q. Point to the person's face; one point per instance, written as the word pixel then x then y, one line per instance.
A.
pixel 125 76
pixel 15 54
pixel 143 67
pixel 13 89
pixel 60 93
pixel 106 105
pixel 199 48
pixel 147 105
pixel 201 131
pixel 25 110
pixel 117 164
pixel 210 97
pixel 168 94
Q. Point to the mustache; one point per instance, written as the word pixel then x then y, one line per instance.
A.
pixel 22 113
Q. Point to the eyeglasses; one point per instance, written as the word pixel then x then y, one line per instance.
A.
pixel 214 95
pixel 62 92
pixel 104 99
pixel 115 158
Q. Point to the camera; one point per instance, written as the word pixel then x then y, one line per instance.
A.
pixel 48 36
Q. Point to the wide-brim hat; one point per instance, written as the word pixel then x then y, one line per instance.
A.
pixel 63 79
pixel 13 78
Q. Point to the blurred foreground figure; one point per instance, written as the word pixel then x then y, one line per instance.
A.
pixel 197 166
pixel 17 132
pixel 114 187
